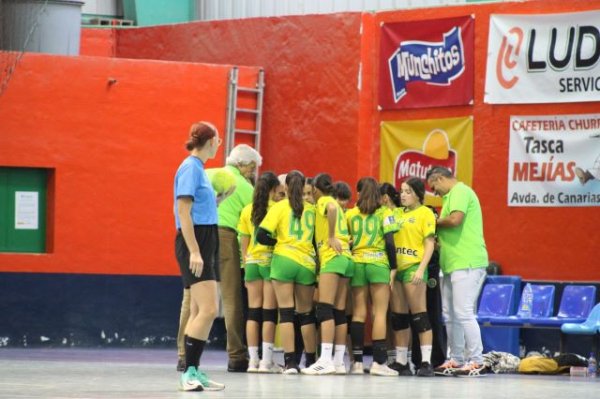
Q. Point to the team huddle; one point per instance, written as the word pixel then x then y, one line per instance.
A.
pixel 380 249
pixel 311 262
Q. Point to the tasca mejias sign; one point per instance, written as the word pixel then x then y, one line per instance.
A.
pixel 550 58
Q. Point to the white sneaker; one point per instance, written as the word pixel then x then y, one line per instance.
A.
pixel 290 371
pixel 320 367
pixel 340 369
pixel 253 366
pixel 268 367
pixel 382 370
pixel 357 368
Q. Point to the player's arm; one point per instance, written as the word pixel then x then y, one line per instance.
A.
pixel 332 216
pixel 455 219
pixel 264 237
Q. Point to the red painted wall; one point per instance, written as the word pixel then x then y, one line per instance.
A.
pixel 311 65
pixel 114 150
pixel 98 42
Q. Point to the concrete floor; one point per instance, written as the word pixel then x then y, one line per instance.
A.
pixel 142 373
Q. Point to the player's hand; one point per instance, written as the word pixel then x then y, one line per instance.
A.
pixel 223 196
pixel 335 244
pixel 418 277
pixel 196 264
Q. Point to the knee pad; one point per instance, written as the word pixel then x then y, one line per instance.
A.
pixel 269 315
pixel 255 314
pixel 324 312
pixel 421 322
pixel 339 317
pixel 400 321
pixel 286 315
pixel 307 318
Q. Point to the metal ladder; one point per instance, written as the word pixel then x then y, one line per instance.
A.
pixel 233 95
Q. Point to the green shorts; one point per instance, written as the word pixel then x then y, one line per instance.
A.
pixel 370 273
pixel 288 271
pixel 406 275
pixel 255 272
pixel 339 264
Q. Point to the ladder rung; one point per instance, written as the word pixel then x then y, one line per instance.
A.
pixel 247 110
pixel 248 90
pixel 245 131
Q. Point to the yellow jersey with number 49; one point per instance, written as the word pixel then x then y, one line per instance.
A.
pixel 367 232
pixel 414 227
pixel 256 253
pixel 294 236
pixel 326 253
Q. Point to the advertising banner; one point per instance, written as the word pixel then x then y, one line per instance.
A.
pixel 551 58
pixel 411 148
pixel 554 160
pixel 426 63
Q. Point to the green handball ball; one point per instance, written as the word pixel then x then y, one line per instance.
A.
pixel 221 179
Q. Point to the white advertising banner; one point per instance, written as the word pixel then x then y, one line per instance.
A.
pixel 554 160
pixel 551 58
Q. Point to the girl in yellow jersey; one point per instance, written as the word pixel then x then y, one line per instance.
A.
pixel 289 226
pixel 332 238
pixel 372 228
pixel 262 306
pixel 414 248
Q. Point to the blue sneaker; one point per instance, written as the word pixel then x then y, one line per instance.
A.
pixel 208 384
pixel 189 380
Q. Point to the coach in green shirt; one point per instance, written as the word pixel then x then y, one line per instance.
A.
pixel 242 163
pixel 463 259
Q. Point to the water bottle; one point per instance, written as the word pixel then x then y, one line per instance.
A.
pixel 527 301
pixel 592 366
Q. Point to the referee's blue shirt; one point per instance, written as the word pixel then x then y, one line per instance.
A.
pixel 191 181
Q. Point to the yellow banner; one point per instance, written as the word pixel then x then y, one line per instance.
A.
pixel 411 148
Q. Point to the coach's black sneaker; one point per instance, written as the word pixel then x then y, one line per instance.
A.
pixel 237 366
pixel 402 369
pixel 181 364
pixel 426 370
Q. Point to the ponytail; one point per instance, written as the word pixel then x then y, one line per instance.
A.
pixel 323 182
pixel 295 185
pixel 390 191
pixel 369 199
pixel 260 201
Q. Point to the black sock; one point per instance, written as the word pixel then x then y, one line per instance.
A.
pixel 290 360
pixel 193 350
pixel 357 333
pixel 380 351
pixel 310 359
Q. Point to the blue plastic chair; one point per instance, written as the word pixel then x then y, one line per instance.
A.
pixel 575 305
pixel 590 326
pixel 543 306
pixel 496 300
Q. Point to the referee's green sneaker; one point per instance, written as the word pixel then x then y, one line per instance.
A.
pixel 189 380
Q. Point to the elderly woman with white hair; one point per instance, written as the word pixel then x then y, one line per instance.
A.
pixel 242 163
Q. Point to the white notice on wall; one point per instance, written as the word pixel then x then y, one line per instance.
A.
pixel 26 210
